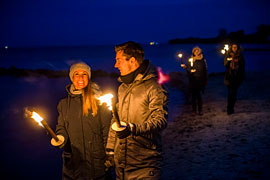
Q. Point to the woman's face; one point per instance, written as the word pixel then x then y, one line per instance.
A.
pixel 234 48
pixel 80 79
pixel 196 52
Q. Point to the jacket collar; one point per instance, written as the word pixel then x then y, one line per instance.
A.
pixel 149 71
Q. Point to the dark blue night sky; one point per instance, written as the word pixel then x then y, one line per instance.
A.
pixel 96 22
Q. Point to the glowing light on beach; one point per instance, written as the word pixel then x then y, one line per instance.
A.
pixel 162 78
pixel 107 98
pixel 191 61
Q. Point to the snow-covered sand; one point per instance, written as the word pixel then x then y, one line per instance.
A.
pixel 216 145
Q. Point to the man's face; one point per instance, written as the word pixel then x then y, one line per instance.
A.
pixel 80 79
pixel 123 64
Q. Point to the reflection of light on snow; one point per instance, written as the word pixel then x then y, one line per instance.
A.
pixel 162 78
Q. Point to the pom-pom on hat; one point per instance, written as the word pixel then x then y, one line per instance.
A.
pixel 77 66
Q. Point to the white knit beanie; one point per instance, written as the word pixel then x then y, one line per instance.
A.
pixel 77 66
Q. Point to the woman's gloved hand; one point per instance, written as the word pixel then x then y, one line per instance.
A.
pixel 109 161
pixel 59 143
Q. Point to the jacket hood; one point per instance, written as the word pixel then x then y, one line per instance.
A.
pixel 197 48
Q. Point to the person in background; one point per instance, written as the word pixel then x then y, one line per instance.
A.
pixel 142 105
pixel 198 76
pixel 82 127
pixel 234 75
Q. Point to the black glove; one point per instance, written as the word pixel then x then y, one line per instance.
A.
pixel 124 133
pixel 129 130
pixel 109 161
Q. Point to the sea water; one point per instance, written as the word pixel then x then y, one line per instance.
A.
pixel 103 57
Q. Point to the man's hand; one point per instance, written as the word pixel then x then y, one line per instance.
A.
pixel 129 129
pixel 124 133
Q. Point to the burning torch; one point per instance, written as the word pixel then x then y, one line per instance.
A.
pixel 56 140
pixel 191 64
pixel 191 61
pixel 180 55
pixel 225 49
pixel 110 101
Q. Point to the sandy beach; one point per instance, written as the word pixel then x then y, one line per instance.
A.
pixel 216 145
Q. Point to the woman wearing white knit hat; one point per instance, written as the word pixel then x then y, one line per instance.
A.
pixel 82 127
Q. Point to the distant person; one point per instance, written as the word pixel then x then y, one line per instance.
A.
pixel 234 75
pixel 197 74
pixel 82 127
pixel 143 106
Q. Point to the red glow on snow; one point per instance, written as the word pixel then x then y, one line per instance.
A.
pixel 162 78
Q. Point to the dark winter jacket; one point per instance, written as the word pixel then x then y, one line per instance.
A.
pixel 197 79
pixel 143 103
pixel 85 138
pixel 235 68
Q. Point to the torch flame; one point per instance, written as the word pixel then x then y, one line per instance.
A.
pixel 223 51
pixel 37 118
pixel 191 61
pixel 107 98
pixel 226 47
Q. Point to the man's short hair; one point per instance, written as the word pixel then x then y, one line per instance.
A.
pixel 131 49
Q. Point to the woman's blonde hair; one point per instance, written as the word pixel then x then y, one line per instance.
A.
pixel 89 100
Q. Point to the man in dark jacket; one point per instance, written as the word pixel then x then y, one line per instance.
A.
pixel 142 105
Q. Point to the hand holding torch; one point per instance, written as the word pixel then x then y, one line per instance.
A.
pixel 111 103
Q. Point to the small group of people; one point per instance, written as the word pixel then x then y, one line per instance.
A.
pixel 197 74
pixel 90 145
